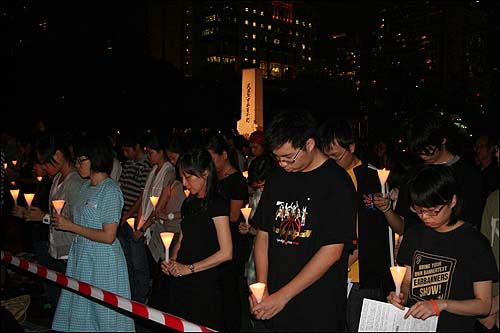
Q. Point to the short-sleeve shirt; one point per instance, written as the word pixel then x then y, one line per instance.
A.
pixel 301 212
pixel 445 266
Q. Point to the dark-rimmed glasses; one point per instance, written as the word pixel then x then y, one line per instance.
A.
pixel 80 160
pixel 427 151
pixel 428 212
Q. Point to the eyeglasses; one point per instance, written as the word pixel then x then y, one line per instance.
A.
pixel 80 160
pixel 286 161
pixel 337 157
pixel 427 151
pixel 428 212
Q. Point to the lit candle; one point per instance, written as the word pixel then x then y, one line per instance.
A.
pixel 58 205
pixel 14 162
pixel 5 165
pixel 246 212
pixel 258 290
pixel 154 200
pixel 245 174
pixel 396 236
pixel 166 238
pixel 14 194
pixel 187 192
pixel 29 198
pixel 131 222
pixel 382 176
pixel 398 274
pixel 39 178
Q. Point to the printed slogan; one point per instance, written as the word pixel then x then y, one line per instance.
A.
pixel 432 276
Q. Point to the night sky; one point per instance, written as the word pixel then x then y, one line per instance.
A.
pixel 86 63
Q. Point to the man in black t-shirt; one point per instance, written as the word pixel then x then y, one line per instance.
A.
pixel 306 219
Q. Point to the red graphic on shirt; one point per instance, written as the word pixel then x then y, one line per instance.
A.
pixel 292 219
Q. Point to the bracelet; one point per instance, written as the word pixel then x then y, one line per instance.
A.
pixel 191 268
pixel 434 305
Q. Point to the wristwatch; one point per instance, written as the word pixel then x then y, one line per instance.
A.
pixel 46 219
pixel 191 268
pixel 170 216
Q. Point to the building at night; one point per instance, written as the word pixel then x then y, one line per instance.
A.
pixel 432 54
pixel 210 38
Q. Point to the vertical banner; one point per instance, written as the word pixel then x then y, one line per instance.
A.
pixel 252 117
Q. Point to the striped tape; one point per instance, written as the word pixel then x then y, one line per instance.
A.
pixel 134 307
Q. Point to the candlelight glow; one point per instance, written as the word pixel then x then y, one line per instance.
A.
pixel 39 178
pixel 166 238
pixel 5 166
pixel 29 198
pixel 58 205
pixel 245 174
pixel 187 192
pixel 396 236
pixel 398 274
pixel 15 194
pixel 246 212
pixel 14 162
pixel 258 290
pixel 154 200
pixel 382 176
pixel 131 222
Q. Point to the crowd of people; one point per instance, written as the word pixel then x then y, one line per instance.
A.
pixel 322 233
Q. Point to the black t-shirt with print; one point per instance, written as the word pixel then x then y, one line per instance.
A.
pixel 445 266
pixel 301 212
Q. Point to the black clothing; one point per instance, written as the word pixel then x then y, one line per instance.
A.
pixel 445 266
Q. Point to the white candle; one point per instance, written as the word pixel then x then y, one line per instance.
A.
pixel 29 198
pixel 166 238
pixel 398 274
pixel 131 222
pixel 58 205
pixel 258 290
pixel 382 176
pixel 154 200
pixel 245 174
pixel 15 194
pixel 246 212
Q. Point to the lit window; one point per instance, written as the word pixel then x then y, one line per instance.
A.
pixel 254 24
pixel 309 58
pixel 276 41
pixel 310 25
pixel 254 61
pixel 254 36
pixel 246 9
pixel 254 11
pixel 262 13
pixel 254 49
pixel 303 46
pixel 246 22
pixel 296 21
pixel 269 27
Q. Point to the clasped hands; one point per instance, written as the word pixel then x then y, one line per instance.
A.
pixel 421 310
pixel 174 268
pixel 270 305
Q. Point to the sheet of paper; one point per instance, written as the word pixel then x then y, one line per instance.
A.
pixel 384 317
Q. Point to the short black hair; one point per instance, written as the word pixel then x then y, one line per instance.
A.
pixel 290 125
pixel 99 151
pixel 339 129
pixel 434 185
pixel 429 129
pixel 260 167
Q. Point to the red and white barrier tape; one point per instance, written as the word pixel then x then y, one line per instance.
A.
pixel 139 309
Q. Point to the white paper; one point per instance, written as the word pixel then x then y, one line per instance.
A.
pixel 384 317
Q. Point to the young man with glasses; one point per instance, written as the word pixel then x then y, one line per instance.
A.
pixel 429 137
pixel 370 259
pixel 306 221
pixel 449 264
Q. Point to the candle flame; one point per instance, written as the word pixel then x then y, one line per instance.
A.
pixel 154 200
pixel 29 198
pixel 131 222
pixel 58 205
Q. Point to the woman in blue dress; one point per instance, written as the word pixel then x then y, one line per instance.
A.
pixel 96 256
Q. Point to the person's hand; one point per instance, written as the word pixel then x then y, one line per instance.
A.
pixel 270 306
pixel 244 228
pixel 490 321
pixel 61 222
pixel 137 235
pixel 177 269
pixel 164 267
pixel 396 300
pixel 381 201
pixel 34 214
pixel 421 310
pixel 19 211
